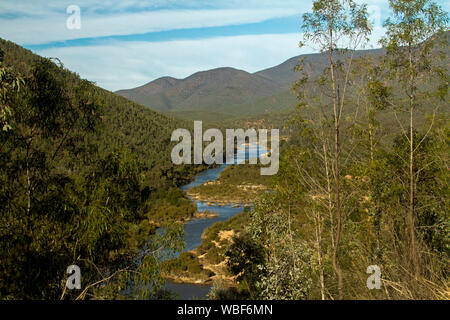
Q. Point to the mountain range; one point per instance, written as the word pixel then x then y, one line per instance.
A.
pixel 225 93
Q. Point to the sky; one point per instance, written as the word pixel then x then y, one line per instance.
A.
pixel 123 44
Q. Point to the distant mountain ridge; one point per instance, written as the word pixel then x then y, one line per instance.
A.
pixel 213 90
pixel 284 73
pixel 226 93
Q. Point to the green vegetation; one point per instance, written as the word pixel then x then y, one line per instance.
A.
pixel 84 176
pixel 236 184
pixel 244 174
pixel 363 178
pixel 165 205
pixel 187 266
pixel 218 237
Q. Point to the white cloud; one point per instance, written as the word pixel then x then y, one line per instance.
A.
pixel 40 22
pixel 116 65
pixel 52 27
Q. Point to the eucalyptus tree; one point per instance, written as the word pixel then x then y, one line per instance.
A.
pixel 339 28
pixel 410 32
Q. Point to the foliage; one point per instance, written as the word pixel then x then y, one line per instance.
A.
pixel 187 265
pixel 294 227
pixel 80 168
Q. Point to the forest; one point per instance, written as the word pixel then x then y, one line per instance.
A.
pixel 363 184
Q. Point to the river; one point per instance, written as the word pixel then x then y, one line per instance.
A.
pixel 193 229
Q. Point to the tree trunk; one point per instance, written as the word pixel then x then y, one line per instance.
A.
pixel 411 168
pixel 330 205
pixel 319 252
pixel 336 265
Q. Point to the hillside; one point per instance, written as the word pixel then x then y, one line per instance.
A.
pixel 125 124
pixel 213 91
pixel 85 178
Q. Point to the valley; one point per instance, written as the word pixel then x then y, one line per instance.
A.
pixel 349 201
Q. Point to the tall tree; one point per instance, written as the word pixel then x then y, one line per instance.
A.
pixel 339 27
pixel 409 53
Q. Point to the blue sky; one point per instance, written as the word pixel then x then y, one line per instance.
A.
pixel 127 43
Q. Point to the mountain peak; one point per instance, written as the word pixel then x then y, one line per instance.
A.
pixel 156 86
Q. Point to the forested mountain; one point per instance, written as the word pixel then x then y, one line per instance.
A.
pixel 124 124
pixel 85 177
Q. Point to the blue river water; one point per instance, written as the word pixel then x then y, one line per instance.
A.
pixel 194 229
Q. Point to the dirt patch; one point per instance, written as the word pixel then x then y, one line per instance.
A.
pixel 226 235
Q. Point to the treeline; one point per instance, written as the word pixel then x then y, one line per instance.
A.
pixel 85 178
pixel 363 185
